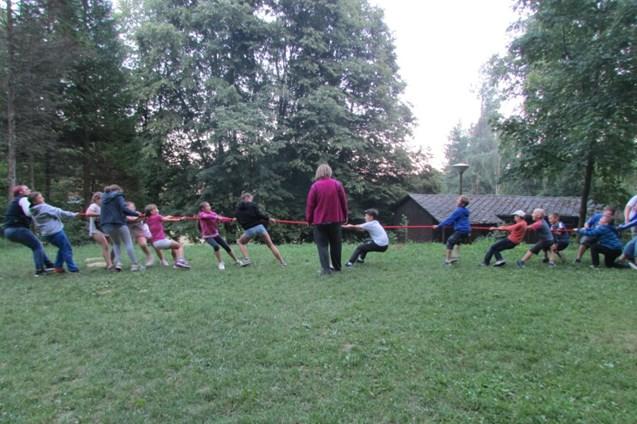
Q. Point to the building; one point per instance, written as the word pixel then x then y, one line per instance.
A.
pixel 486 210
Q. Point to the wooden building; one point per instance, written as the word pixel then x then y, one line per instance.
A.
pixel 486 210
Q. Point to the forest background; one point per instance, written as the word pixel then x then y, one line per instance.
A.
pixel 183 101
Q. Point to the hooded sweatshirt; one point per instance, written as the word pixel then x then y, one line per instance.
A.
pixel 249 215
pixel 48 219
pixel 114 209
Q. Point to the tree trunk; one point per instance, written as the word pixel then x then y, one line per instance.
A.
pixel 586 190
pixel 11 136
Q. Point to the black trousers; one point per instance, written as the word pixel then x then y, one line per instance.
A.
pixel 329 240
pixel 496 248
pixel 609 255
pixel 362 250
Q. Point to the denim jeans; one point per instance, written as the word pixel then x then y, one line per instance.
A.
pixel 629 249
pixel 65 252
pixel 26 237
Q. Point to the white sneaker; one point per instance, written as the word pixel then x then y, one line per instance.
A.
pixel 164 262
pixel 501 262
pixel 221 266
pixel 135 268
pixel 632 265
pixel 150 262
pixel 182 263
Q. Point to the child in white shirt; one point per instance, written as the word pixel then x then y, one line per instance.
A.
pixel 379 241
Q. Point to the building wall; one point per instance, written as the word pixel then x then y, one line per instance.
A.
pixel 415 215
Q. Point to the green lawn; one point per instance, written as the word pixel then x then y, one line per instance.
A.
pixel 398 339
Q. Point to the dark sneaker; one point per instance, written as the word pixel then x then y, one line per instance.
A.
pixel 360 261
pixel 348 264
pixel 499 263
pixel 545 260
pixel 520 263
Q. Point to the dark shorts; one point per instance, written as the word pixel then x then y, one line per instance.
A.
pixel 457 238
pixel 587 241
pixel 541 245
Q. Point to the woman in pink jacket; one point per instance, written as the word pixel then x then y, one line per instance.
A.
pixel 326 209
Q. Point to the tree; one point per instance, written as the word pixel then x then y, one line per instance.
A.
pixel 575 64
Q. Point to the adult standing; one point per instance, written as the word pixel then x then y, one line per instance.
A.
pixel 326 209
pixel 630 212
pixel 113 219
pixel 17 228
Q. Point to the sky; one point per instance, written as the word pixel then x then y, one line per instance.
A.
pixel 441 47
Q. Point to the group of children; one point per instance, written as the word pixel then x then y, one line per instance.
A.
pixel 113 221
pixel 599 234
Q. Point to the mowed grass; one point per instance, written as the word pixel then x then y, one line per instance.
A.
pixel 398 339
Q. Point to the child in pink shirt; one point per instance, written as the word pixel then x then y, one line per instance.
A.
pixel 155 223
pixel 208 221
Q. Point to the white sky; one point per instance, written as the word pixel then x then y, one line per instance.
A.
pixel 441 47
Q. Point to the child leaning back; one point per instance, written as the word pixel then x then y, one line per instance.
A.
pixel 48 220
pixel 155 223
pixel 379 241
pixel 208 227
pixel 459 219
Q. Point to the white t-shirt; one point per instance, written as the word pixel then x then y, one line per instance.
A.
pixel 376 232
pixel 94 209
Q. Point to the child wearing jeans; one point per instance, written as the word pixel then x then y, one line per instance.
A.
pixel 48 220
pixel 608 243
pixel 459 219
pixel 379 242
pixel 209 230
pixel 155 223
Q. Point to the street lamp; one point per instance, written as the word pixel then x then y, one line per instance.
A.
pixel 461 167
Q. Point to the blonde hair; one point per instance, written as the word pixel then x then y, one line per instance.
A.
pixel 96 195
pixel 539 211
pixel 323 171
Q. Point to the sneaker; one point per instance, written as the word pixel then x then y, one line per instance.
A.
pixel 221 266
pixel 150 262
pixel 360 260
pixel 453 259
pixel 182 263
pixel 40 273
pixel 545 260
pixel 348 264
pixel 520 263
pixel 578 261
pixel 245 262
pixel 482 264
pixel 594 267
pixel 501 262
pixel 135 268
pixel 551 264
pixel 284 264
pixel 118 267
pixel 59 270
pixel 633 265
pixel 447 262
pixel 164 262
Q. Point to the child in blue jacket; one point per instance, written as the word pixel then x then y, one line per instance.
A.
pixel 459 219
pixel 607 243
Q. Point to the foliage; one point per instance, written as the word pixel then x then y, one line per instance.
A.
pixel 575 66
pixel 383 342
pixel 478 147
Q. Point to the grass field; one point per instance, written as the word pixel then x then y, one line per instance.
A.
pixel 398 339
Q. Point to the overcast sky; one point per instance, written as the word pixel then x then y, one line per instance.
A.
pixel 441 47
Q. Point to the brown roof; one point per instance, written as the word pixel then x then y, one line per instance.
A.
pixel 487 208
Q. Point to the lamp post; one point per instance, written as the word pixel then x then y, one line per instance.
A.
pixel 461 167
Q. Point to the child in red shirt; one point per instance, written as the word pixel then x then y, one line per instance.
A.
pixel 515 237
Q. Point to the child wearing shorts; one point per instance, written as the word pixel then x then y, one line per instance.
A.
pixel 208 227
pixel 141 233
pixel 253 221
pixel 155 223
pixel 378 241
pixel 459 219
pixel 545 239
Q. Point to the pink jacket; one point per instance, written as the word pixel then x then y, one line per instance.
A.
pixel 326 202
pixel 208 223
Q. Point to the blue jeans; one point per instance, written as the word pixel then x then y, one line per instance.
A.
pixel 65 252
pixel 26 237
pixel 629 249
